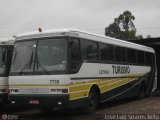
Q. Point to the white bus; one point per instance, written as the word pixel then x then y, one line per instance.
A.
pixel 70 68
pixel 6 49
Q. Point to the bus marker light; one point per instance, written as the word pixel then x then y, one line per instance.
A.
pixel 40 29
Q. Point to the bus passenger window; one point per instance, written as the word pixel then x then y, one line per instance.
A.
pixel 91 50
pixel 106 52
pixel 75 53
pixel 148 58
pixel 131 56
pixel 120 54
pixel 140 57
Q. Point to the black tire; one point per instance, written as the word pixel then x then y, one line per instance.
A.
pixel 92 102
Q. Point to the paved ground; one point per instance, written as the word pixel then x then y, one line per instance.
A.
pixel 128 109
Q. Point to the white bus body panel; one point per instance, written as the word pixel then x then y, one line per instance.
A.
pixel 25 84
pixel 93 70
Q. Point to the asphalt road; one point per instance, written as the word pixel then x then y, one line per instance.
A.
pixel 127 109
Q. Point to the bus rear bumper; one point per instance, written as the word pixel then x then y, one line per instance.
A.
pixel 45 101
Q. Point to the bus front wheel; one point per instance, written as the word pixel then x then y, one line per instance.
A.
pixel 92 102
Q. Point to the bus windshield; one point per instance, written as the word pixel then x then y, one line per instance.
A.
pixel 45 56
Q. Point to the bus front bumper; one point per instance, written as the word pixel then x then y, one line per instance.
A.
pixel 3 98
pixel 42 101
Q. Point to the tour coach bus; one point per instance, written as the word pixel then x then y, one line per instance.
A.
pixel 71 68
pixel 6 49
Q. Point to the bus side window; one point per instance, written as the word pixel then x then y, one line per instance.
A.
pixel 120 54
pixel 148 58
pixel 106 52
pixel 91 50
pixel 141 57
pixel 75 53
pixel 131 56
pixel 153 59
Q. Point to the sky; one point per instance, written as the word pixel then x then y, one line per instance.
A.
pixel 20 16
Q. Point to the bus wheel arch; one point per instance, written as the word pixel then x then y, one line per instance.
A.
pixel 93 100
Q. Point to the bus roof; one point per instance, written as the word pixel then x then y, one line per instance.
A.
pixel 7 41
pixel 82 34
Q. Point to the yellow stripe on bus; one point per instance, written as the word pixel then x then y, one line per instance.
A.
pixel 103 87
pixel 79 88
pixel 4 85
pixel 78 95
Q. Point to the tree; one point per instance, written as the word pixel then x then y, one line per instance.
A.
pixel 139 37
pixel 122 27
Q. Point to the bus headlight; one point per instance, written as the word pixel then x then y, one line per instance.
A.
pixel 13 91
pixel 3 90
pixel 53 91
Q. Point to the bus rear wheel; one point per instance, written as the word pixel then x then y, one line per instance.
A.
pixel 92 102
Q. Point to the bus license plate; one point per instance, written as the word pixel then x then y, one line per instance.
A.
pixel 34 102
